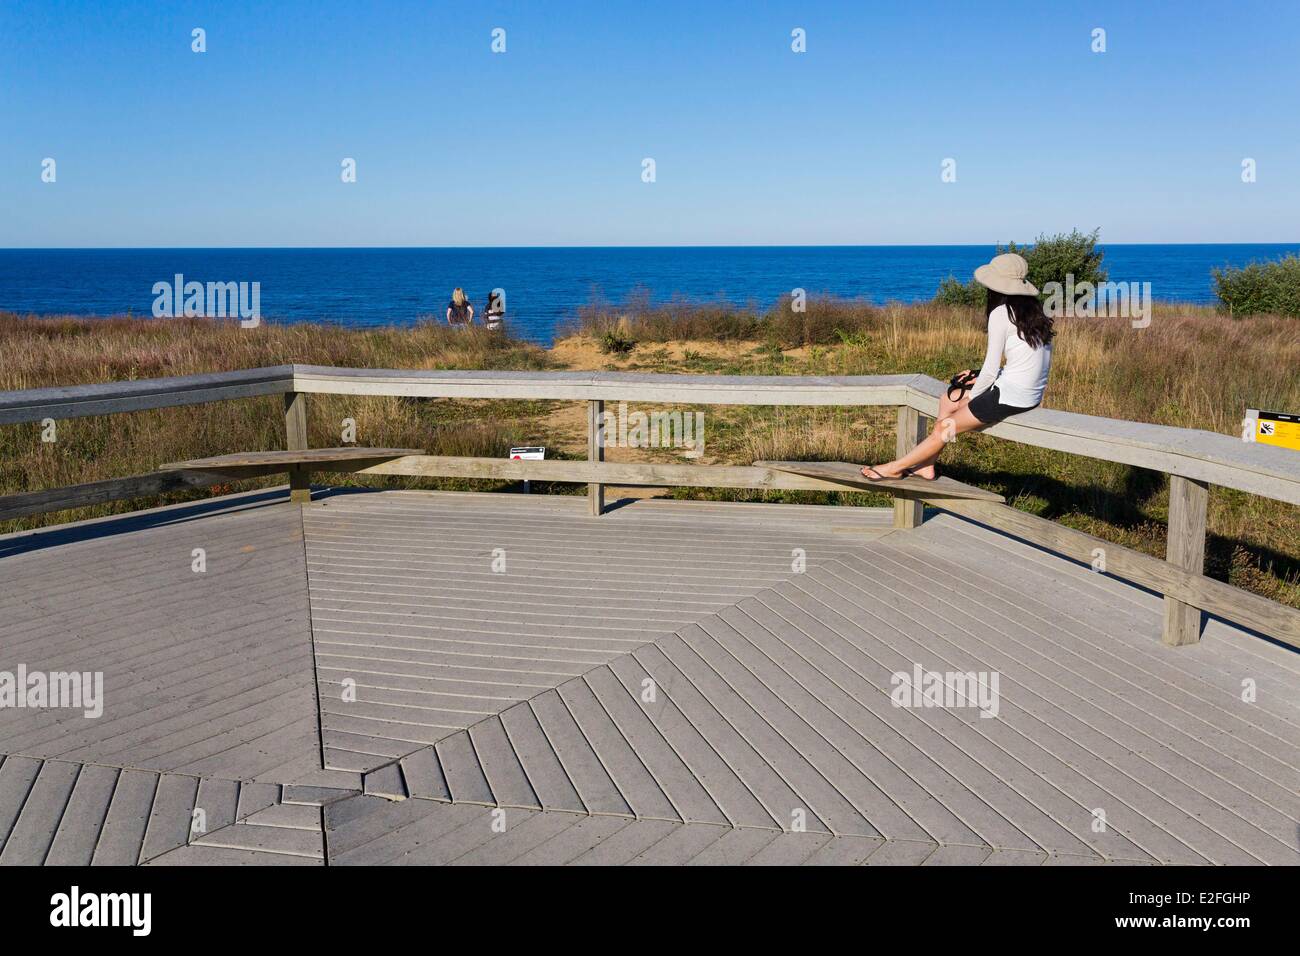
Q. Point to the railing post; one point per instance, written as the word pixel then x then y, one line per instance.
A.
pixel 908 512
pixel 596 451
pixel 1186 550
pixel 295 439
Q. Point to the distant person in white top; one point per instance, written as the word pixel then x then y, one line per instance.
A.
pixel 1020 332
pixel 496 309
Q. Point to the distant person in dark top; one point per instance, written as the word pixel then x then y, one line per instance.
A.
pixel 496 309
pixel 459 311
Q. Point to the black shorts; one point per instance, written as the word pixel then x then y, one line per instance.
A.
pixel 988 408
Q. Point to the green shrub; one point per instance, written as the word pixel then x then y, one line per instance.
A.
pixel 1052 258
pixel 954 292
pixel 1261 288
pixel 616 342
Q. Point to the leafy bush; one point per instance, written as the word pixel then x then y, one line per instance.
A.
pixel 1050 258
pixel 957 293
pixel 1261 288
pixel 616 342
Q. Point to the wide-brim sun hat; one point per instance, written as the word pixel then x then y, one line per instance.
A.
pixel 1008 274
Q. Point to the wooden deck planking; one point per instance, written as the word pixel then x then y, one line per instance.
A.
pixel 1225 655
pixel 1068 732
pixel 1155 733
pixel 405 604
pixel 884 641
pixel 1180 687
pixel 208 673
pixel 954 788
pixel 524 692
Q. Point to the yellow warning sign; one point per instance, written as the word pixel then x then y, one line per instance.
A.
pixel 1276 428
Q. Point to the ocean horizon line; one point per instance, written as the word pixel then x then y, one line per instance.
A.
pixel 868 245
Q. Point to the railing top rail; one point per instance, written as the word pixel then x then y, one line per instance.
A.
pixel 74 401
pixel 596 378
pixel 1205 456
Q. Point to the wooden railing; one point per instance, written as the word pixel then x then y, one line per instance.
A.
pixel 1193 459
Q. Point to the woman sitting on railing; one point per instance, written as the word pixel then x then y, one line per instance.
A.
pixel 1019 331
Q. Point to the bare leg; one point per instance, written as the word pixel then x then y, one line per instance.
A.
pixel 927 452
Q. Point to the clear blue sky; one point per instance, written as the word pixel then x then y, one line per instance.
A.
pixel 542 145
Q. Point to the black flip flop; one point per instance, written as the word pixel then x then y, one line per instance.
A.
pixel 911 473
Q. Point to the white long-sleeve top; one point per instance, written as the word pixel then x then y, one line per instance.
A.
pixel 1021 381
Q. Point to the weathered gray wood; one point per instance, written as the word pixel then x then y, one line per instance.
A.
pixel 629 386
pixel 128 816
pixel 780 691
pixel 74 843
pixel 17 774
pixel 256 796
pixel 505 772
pixel 423 776
pixel 280 840
pixel 219 801
pixel 118 489
pixel 295 439
pixel 1204 456
pixel 1268 617
pixel 846 473
pixel 908 512
pixel 599 793
pixel 386 782
pixel 610 473
pixel 547 776
pixel 464 773
pixel 283 460
pixel 172 815
pixel 625 767
pixel 1188 501
pixel 32 834
pixel 690 800
pixel 596 452
pixel 36 404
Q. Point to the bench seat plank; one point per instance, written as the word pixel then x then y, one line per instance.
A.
pixel 305 456
pixel 844 473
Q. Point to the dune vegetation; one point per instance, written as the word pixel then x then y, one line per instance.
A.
pixel 1192 367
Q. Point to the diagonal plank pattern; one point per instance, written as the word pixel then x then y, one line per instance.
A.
pixel 205 672
pixel 775 713
pixel 61 813
pixel 675 682
pixel 442 610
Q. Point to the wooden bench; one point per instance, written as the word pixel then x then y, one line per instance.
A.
pixel 850 475
pixel 297 462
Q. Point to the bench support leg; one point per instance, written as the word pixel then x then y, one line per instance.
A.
pixel 596 452
pixel 1186 550
pixel 295 439
pixel 908 512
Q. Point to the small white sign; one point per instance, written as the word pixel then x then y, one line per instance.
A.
pixel 528 453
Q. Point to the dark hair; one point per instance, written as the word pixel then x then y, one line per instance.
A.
pixel 1027 315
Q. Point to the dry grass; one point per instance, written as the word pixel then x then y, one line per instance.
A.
pixel 40 352
pixel 1192 367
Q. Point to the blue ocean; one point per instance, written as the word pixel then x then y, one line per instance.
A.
pixel 546 286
